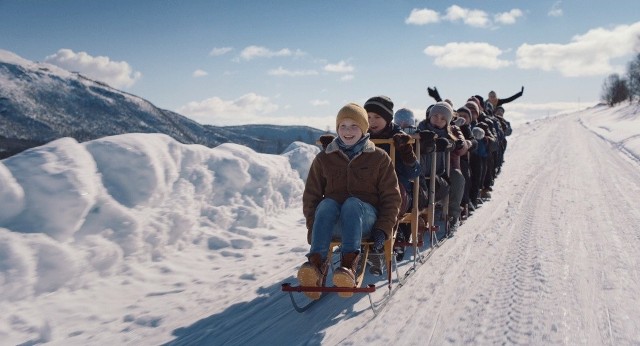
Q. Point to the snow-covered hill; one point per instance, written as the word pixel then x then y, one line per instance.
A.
pixel 40 102
pixel 138 239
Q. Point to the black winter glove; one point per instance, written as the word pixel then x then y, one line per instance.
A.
pixel 427 141
pixel 401 141
pixel 459 144
pixel 326 139
pixel 443 144
pixel 466 131
pixel 404 149
pixel 434 94
pixel 379 237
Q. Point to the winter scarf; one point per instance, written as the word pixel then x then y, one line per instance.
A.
pixel 353 150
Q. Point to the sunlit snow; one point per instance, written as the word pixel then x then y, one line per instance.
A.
pixel 138 239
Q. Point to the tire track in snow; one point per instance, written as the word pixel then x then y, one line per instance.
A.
pixel 493 313
pixel 521 280
pixel 504 306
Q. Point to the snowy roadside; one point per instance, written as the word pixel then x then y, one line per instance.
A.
pixel 618 125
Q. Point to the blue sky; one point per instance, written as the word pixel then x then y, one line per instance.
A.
pixel 298 62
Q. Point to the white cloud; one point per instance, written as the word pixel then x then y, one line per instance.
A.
pixel 467 54
pixel 471 17
pixel 347 77
pixel 475 18
pixel 252 52
pixel 199 73
pixel 215 110
pixel 117 74
pixel 586 55
pixel 341 67
pixel 556 10
pixel 507 18
pixel 280 71
pixel 317 103
pixel 422 17
pixel 220 51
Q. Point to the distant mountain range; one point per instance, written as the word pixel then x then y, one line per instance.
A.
pixel 40 102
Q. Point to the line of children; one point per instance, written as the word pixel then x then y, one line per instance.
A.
pixel 484 130
pixel 490 132
pixel 354 191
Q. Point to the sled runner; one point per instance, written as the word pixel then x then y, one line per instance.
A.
pixel 324 290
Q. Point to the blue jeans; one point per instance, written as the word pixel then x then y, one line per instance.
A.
pixel 349 222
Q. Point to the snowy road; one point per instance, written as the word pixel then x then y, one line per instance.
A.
pixel 551 259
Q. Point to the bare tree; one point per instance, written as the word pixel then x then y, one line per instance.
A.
pixel 633 78
pixel 614 89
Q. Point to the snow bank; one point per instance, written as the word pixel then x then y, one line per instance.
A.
pixel 12 201
pixel 300 156
pixel 60 185
pixel 71 212
pixel 619 125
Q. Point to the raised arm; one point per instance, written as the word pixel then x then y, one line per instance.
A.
pixel 511 98
pixel 433 92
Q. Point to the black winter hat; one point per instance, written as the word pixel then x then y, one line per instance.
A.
pixel 381 105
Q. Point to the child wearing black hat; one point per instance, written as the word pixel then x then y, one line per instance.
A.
pixel 381 126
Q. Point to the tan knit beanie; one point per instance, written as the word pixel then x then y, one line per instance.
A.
pixel 356 113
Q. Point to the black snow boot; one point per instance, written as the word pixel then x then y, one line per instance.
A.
pixel 453 226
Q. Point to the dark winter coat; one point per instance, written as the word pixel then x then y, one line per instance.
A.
pixel 483 148
pixel 425 158
pixel 473 143
pixel 369 176
pixel 491 135
pixel 456 154
pixel 506 126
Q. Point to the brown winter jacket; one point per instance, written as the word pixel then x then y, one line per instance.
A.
pixel 369 176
